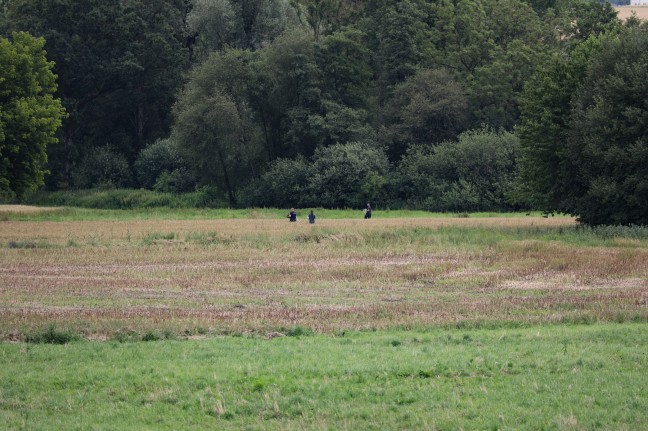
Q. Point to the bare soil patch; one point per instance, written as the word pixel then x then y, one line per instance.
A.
pixel 625 12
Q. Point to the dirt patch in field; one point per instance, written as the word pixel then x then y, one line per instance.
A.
pixel 625 12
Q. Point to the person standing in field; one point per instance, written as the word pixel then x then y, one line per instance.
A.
pixel 311 217
pixel 292 215
pixel 367 211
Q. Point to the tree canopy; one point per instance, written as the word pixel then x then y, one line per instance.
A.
pixel 235 95
pixel 585 131
pixel 29 113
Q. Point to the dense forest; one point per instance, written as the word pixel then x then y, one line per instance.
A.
pixel 442 105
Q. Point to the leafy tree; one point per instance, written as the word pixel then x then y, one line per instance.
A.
pixel 493 46
pixel 401 39
pixel 521 42
pixel 119 64
pixel 324 17
pixel 428 108
pixel 102 168
pixel 608 134
pixel 293 95
pixel 577 20
pixel 475 173
pixel 213 128
pixel 464 40
pixel 338 124
pixel 341 174
pixel 179 180
pixel 162 159
pixel 584 132
pixel 547 174
pixel 343 61
pixel 244 24
pixel 29 113
pixel 285 184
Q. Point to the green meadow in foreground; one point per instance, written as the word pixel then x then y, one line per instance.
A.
pixel 564 377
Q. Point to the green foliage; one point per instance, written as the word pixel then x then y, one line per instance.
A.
pixel 590 160
pixel 608 143
pixel 160 167
pixel 214 131
pixel 340 176
pixel 400 38
pixel 121 199
pixel 119 66
pixel 578 20
pixel 343 61
pixel 256 81
pixel 297 331
pixel 291 97
pixel 103 168
pixel 318 15
pixel 217 24
pixel 178 180
pixel 340 172
pixel 514 56
pixel 51 335
pixel 29 114
pixel 150 336
pixel 338 124
pixel 476 172
pixel 427 108
pixel 285 184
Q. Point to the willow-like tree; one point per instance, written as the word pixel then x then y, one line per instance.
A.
pixel 213 126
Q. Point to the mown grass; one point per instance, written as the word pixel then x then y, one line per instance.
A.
pixel 565 377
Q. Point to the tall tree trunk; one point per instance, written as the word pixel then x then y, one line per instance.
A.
pixel 228 185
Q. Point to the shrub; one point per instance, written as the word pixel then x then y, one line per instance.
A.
pixel 102 168
pixel 285 185
pixel 476 173
pixel 160 167
pixel 177 181
pixel 206 197
pixel 151 336
pixel 347 175
pixel 298 331
pixel 51 336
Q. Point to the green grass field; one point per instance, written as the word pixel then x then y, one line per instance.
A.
pixel 567 377
pixel 180 319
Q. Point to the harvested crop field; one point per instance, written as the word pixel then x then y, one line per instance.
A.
pixel 625 12
pixel 104 279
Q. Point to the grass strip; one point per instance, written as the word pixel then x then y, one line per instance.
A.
pixel 561 377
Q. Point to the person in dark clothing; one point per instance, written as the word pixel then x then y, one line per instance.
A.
pixel 311 217
pixel 367 211
pixel 292 215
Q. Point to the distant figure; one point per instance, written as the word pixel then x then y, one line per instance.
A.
pixel 292 215
pixel 367 211
pixel 311 217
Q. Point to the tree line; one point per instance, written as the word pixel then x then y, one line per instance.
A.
pixel 444 105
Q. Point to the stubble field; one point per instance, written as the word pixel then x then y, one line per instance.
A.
pixel 189 277
pixel 430 322
pixel 625 12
